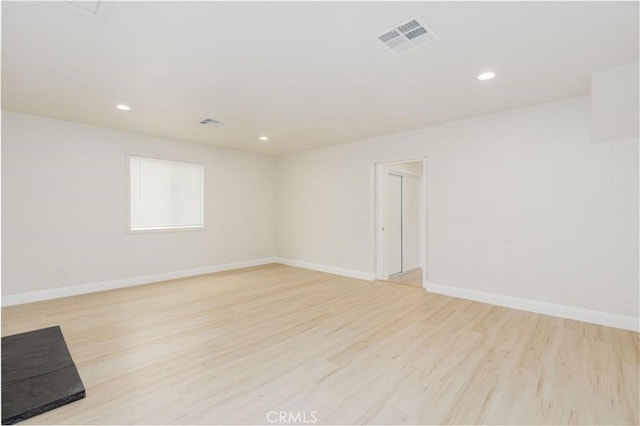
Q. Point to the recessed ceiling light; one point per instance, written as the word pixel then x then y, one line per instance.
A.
pixel 263 138
pixel 486 75
pixel 123 107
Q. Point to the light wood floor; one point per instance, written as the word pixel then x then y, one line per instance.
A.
pixel 230 347
pixel 413 278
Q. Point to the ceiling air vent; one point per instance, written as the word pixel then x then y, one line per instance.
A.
pixel 210 122
pixel 407 36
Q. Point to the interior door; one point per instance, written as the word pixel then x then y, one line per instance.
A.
pixel 395 224
pixel 410 223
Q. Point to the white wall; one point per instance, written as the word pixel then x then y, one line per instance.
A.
pixel 64 194
pixel 614 106
pixel 520 204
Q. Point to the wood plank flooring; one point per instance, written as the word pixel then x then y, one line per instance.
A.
pixel 413 278
pixel 232 347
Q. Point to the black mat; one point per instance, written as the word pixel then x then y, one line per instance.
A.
pixel 38 374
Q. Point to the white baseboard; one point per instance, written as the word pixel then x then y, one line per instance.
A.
pixel 36 296
pixel 562 311
pixel 361 275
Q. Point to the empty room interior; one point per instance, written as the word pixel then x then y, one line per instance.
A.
pixel 350 212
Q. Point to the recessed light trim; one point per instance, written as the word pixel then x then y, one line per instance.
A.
pixel 486 76
pixel 123 107
pixel 263 138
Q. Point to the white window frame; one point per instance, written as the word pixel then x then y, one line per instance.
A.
pixel 168 229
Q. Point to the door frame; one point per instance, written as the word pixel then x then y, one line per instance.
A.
pixel 381 259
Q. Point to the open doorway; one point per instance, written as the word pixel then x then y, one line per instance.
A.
pixel 401 222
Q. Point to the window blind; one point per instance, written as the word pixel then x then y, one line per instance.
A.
pixel 165 194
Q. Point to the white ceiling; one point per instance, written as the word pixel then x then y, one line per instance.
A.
pixel 305 74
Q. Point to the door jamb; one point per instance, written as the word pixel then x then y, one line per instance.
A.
pixel 381 271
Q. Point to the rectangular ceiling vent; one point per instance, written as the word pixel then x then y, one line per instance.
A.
pixel 210 122
pixel 408 36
